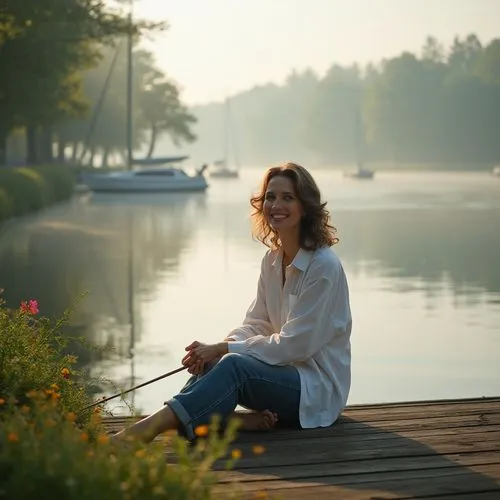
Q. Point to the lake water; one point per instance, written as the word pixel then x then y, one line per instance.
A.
pixel 421 252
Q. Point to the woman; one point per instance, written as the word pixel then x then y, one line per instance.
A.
pixel 290 360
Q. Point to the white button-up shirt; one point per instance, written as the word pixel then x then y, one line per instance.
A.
pixel 305 323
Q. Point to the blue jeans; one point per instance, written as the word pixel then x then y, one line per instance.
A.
pixel 238 379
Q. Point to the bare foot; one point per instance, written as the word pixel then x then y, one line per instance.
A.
pixel 256 420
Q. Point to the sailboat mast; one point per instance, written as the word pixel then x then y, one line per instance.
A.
pixel 226 133
pixel 129 87
pixel 131 215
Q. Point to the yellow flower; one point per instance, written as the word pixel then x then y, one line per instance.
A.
pixel 201 430
pixel 102 439
pixel 2 401
pixel 84 437
pixel 71 416
pixel 12 437
pixel 55 387
pixel 258 449
pixel 140 453
pixel 236 454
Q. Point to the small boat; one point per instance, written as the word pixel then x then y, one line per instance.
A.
pixel 361 173
pixel 156 177
pixel 220 170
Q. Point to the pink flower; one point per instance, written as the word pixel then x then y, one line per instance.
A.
pixel 30 307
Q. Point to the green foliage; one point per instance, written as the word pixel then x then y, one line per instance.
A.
pixel 31 359
pixel 5 204
pixel 24 190
pixel 157 108
pixel 56 40
pixel 48 444
pixel 439 106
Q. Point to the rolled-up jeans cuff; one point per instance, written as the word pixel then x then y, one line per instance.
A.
pixel 183 417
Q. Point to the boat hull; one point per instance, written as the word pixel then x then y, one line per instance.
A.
pixel 149 184
pixel 224 174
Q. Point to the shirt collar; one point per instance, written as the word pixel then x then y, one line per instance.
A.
pixel 300 261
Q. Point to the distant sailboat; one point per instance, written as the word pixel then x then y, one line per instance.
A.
pixel 220 168
pixel 362 172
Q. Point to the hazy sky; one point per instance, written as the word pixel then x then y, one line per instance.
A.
pixel 217 47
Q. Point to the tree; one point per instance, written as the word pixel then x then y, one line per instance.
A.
pixel 55 40
pixel 157 108
pixel 158 104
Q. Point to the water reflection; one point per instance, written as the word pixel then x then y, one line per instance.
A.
pixel 111 248
pixel 455 248
pixel 421 253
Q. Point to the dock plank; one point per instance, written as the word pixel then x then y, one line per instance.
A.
pixel 425 449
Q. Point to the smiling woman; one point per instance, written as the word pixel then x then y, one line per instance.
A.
pixel 290 360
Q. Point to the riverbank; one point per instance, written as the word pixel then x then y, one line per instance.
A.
pixel 25 190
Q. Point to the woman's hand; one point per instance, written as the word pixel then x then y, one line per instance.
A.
pixel 199 354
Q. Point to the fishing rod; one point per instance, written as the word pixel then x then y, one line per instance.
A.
pixel 105 400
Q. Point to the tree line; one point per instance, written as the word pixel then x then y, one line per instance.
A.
pixel 440 106
pixel 63 79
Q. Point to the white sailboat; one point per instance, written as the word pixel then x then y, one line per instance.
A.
pixel 220 168
pixel 145 175
pixel 154 175
pixel 362 172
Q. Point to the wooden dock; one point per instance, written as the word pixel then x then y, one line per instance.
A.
pixel 434 449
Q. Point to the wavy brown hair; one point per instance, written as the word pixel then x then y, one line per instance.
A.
pixel 315 228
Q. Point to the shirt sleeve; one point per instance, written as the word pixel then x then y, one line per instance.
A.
pixel 256 321
pixel 308 328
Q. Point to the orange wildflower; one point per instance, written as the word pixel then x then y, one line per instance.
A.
pixel 258 449
pixel 65 373
pixel 2 401
pixel 12 437
pixel 201 430
pixel 84 437
pixel 236 454
pixel 102 439
pixel 71 416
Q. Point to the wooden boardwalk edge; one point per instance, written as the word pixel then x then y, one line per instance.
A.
pixel 423 449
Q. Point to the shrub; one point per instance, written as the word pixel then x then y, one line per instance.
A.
pixel 41 450
pixel 60 178
pixel 5 204
pixel 26 189
pixel 48 444
pixel 31 359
